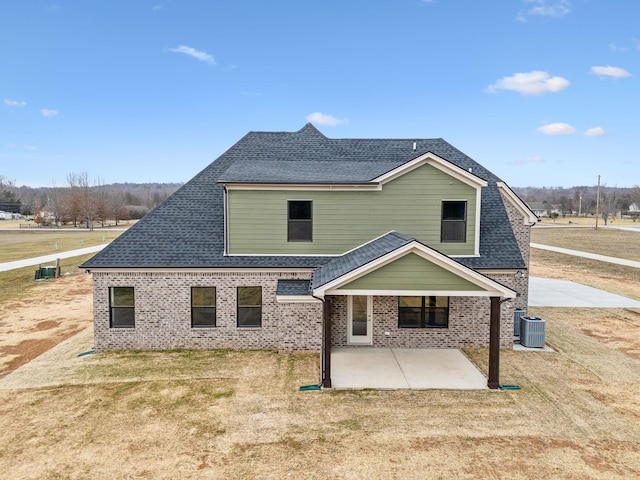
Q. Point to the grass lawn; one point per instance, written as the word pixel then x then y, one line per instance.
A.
pixel 229 414
pixel 604 241
pixel 19 244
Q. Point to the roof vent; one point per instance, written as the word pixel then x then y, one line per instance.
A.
pixel 414 146
pixel 470 170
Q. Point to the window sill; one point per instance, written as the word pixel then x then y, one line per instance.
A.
pixel 423 328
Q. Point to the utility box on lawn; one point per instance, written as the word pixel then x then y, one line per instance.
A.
pixel 44 273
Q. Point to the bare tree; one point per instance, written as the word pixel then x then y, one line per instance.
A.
pixel 72 199
pixel 609 200
pixel 88 202
pixel 117 202
pixel 55 201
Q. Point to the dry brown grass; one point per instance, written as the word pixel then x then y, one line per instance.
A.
pixel 226 414
pixel 613 278
pixel 604 241
pixel 19 244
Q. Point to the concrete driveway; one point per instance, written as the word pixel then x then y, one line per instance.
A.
pixel 404 368
pixel 547 292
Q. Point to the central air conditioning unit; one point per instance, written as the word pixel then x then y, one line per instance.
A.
pixel 518 313
pixel 532 331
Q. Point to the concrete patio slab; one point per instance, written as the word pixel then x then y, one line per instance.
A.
pixel 404 368
pixel 547 292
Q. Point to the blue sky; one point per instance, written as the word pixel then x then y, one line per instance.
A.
pixel 541 92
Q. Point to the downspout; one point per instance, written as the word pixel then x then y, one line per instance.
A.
pixel 225 211
pixel 325 355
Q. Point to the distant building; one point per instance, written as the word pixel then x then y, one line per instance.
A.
pixel 540 209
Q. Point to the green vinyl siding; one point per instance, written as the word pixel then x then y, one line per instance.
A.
pixel 343 220
pixel 411 272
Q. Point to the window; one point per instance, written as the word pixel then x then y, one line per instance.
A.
pixel 249 306
pixel 121 307
pixel 203 306
pixel 454 221
pixel 299 222
pixel 423 312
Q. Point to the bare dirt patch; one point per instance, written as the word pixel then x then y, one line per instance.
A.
pixel 56 310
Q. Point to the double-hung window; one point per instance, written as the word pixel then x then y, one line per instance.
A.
pixel 203 307
pixel 299 221
pixel 423 312
pixel 121 307
pixel 454 221
pixel 249 306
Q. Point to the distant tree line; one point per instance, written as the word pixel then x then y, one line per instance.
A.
pixel 574 201
pixel 81 202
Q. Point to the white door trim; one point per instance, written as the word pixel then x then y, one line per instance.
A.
pixel 360 339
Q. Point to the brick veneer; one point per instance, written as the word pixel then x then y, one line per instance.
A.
pixel 163 313
pixel 163 316
pixel 522 233
pixel 468 325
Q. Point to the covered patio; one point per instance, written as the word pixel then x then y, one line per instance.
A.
pixel 404 368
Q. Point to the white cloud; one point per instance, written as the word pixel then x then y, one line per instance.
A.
pixel 524 161
pixel 197 54
pixel 556 129
pixel 617 48
pixel 157 8
pixel 530 83
pixel 324 119
pixel 544 8
pixel 14 103
pixel 46 112
pixel 595 132
pixel 609 71
pixel 31 148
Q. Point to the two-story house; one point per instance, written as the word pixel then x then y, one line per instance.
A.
pixel 298 242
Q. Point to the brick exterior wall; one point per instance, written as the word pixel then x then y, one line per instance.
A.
pixel 163 313
pixel 522 233
pixel 468 325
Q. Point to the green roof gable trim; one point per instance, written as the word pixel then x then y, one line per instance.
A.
pixel 412 272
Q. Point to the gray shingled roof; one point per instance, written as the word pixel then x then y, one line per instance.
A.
pixel 293 287
pixel 308 156
pixel 187 230
pixel 339 266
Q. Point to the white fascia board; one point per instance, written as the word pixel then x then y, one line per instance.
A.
pixel 428 254
pixel 297 299
pixel 197 270
pixel 284 255
pixel 515 200
pixel 476 249
pixel 414 293
pixel 437 162
pixel 355 187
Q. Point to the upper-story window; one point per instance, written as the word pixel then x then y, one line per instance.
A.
pixel 299 221
pixel 454 221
